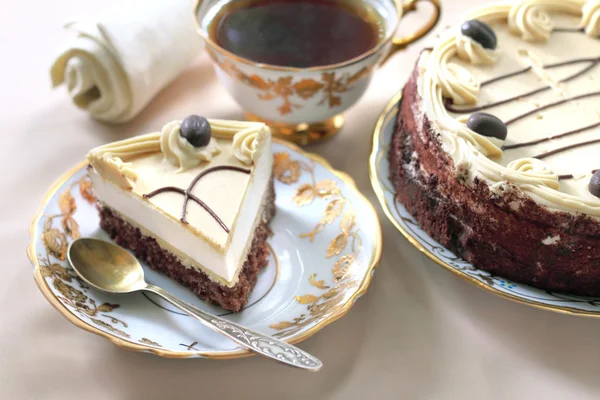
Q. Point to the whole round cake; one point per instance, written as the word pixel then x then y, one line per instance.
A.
pixel 498 142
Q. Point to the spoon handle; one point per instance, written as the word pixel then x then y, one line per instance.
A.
pixel 252 340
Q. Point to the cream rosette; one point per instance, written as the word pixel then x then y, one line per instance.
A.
pixel 245 143
pixel 473 52
pixel 446 79
pixel 536 169
pixel 530 21
pixel 455 81
pixel 530 18
pixel 112 158
pixel 521 173
pixel 179 152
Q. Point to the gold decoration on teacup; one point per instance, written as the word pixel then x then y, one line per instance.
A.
pixel 330 86
pixel 55 237
pixel 339 209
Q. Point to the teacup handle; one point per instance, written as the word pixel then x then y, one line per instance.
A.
pixel 399 43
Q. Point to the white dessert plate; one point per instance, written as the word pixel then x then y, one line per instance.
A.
pixel 408 226
pixel 326 245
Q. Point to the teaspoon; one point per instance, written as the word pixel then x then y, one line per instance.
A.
pixel 112 269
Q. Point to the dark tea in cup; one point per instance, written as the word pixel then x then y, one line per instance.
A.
pixel 298 33
pixel 297 65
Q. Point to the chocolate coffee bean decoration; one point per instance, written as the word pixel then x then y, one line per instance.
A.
pixel 594 186
pixel 196 130
pixel 487 125
pixel 480 32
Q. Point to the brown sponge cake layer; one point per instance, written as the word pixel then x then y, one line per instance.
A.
pixel 148 250
pixel 509 235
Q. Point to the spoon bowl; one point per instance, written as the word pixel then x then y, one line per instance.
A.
pixel 111 268
pixel 106 266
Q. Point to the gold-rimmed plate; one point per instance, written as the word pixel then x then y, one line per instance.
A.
pixel 326 245
pixel 408 226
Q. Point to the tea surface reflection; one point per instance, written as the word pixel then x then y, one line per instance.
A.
pixel 297 33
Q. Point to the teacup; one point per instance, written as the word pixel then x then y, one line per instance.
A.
pixel 304 105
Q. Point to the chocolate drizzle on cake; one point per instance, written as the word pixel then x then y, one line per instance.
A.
pixel 592 63
pixel 551 105
pixel 187 193
pixel 568 30
pixel 558 136
pixel 571 176
pixel 565 148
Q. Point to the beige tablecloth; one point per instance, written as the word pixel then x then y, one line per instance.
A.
pixel 419 332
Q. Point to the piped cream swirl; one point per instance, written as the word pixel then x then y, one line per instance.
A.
pixel 112 159
pixel 179 152
pixel 530 18
pixel 536 169
pixel 531 22
pixel 245 143
pixel 446 79
pixel 456 82
pixel 471 51
pixel 590 19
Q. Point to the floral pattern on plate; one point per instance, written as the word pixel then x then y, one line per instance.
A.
pixel 326 245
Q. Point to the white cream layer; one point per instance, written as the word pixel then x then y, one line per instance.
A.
pixel 237 198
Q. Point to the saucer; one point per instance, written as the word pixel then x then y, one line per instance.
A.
pixel 408 226
pixel 326 245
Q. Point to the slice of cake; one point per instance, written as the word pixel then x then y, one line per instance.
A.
pixel 193 201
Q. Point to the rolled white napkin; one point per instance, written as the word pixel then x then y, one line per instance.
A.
pixel 114 67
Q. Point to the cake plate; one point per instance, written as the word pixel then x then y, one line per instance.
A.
pixel 408 226
pixel 326 245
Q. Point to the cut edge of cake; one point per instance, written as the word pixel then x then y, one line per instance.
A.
pixel 114 179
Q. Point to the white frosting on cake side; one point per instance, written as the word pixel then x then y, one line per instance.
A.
pixel 135 178
pixel 558 41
